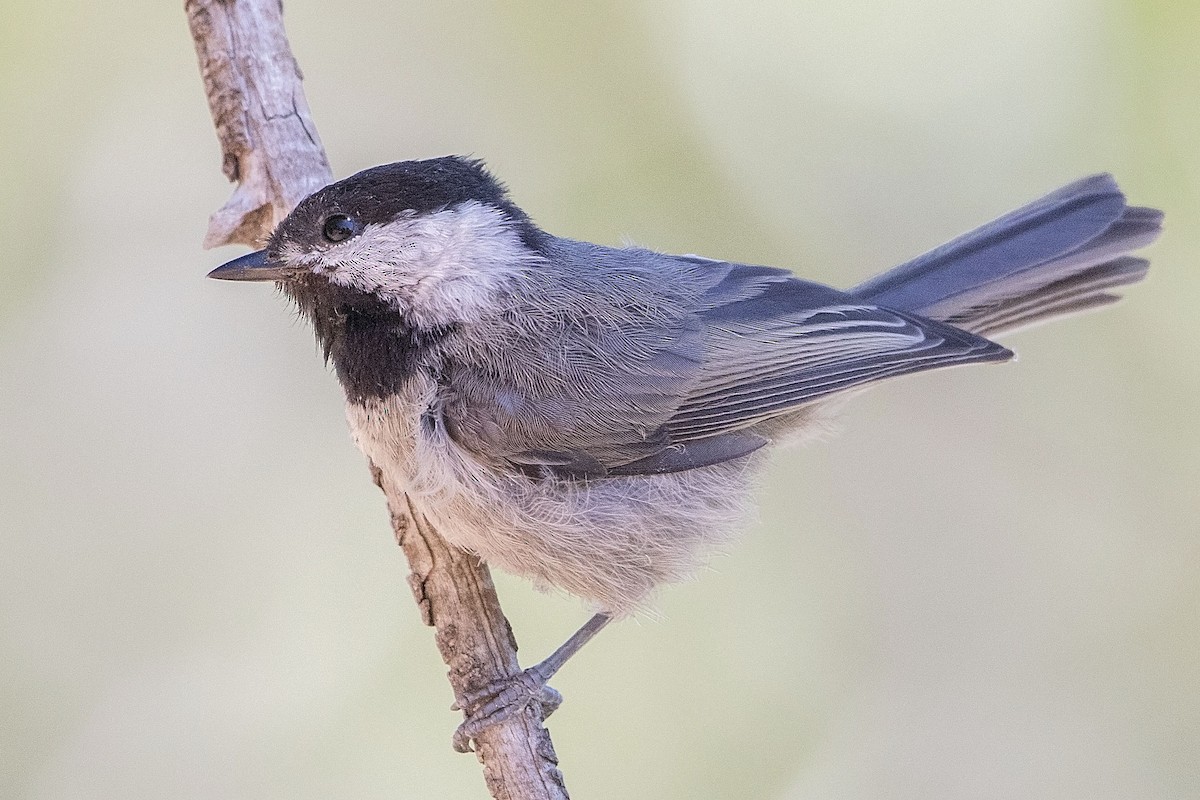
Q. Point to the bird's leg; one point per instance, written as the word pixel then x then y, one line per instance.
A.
pixel 504 698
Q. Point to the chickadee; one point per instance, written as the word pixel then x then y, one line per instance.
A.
pixel 592 418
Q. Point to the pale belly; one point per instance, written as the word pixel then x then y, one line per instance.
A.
pixel 610 541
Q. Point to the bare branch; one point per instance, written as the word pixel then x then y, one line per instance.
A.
pixel 271 149
pixel 269 144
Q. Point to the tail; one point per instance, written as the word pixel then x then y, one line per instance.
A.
pixel 1058 255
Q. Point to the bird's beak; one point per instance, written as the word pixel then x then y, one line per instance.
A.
pixel 252 267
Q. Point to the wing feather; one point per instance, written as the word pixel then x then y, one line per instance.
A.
pixel 755 345
pixel 773 352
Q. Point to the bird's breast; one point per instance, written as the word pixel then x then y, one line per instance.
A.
pixel 392 430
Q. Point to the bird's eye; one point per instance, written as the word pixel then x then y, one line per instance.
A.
pixel 339 227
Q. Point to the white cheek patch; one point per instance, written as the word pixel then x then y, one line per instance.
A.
pixel 437 268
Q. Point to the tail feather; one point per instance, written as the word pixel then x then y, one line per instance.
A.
pixel 1052 257
pixel 1082 291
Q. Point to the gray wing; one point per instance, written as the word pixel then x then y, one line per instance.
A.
pixel 757 344
pixel 775 343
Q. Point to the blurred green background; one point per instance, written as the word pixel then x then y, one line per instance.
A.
pixel 987 586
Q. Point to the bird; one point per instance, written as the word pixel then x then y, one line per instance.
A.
pixel 593 418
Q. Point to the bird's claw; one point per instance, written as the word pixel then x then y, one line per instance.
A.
pixel 500 701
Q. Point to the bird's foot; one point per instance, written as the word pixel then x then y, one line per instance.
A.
pixel 505 698
pixel 501 701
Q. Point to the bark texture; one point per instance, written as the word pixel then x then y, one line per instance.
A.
pixel 269 145
pixel 270 148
